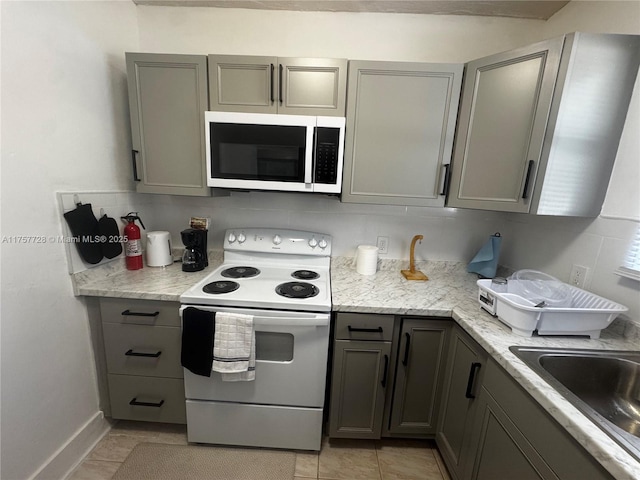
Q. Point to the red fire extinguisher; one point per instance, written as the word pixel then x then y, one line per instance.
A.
pixel 133 245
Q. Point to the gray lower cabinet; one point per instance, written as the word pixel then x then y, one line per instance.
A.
pixel 401 120
pixel 419 374
pixel 360 374
pixel 387 375
pixel 539 126
pixel 142 345
pixel 465 368
pixel 294 86
pixel 513 437
pixel 167 100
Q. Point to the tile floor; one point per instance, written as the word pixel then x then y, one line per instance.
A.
pixel 389 459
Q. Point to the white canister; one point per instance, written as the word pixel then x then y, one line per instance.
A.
pixel 159 249
pixel 367 259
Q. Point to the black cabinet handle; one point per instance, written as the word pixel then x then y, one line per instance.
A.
pixel 527 179
pixel 140 314
pixel 472 376
pixel 131 353
pixel 134 154
pixel 271 84
pixel 134 401
pixel 405 360
pixel 445 184
pixel 384 373
pixel 280 84
pixel 358 329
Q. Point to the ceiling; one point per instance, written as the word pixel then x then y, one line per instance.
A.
pixel 541 10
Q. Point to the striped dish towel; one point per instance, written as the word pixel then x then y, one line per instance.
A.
pixel 234 347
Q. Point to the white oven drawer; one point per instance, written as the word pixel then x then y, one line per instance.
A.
pixel 254 425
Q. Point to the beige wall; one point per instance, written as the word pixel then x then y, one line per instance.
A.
pixel 64 127
pixel 363 36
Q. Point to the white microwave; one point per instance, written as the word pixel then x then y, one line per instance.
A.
pixel 257 151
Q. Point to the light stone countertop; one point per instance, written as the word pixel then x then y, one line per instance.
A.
pixel 450 292
pixel 149 283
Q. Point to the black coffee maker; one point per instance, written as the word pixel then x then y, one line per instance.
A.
pixel 194 257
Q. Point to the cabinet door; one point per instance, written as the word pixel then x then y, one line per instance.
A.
pixel 359 381
pixel 419 373
pixel 503 117
pixel 312 86
pixel 400 127
pixel 242 83
pixel 503 452
pixel 512 430
pixel 167 101
pixel 461 385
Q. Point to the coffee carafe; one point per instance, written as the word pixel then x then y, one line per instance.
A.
pixel 194 257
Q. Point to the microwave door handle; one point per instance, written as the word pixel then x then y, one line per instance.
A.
pixel 309 154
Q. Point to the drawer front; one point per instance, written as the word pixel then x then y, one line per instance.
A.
pixel 143 350
pixel 360 326
pixel 147 399
pixel 140 312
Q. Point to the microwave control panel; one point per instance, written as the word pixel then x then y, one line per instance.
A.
pixel 326 155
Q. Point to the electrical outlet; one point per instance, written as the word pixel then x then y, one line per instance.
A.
pixel 578 276
pixel 383 244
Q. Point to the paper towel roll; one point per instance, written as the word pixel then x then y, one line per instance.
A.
pixel 367 259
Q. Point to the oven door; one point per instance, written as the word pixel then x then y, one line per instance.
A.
pixel 259 151
pixel 291 361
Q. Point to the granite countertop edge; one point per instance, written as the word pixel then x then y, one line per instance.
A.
pixel 450 292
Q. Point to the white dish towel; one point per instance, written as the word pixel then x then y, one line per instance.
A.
pixel 234 347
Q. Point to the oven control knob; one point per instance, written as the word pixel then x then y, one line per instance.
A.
pixel 277 240
pixel 232 237
pixel 322 244
pixel 241 238
pixel 313 243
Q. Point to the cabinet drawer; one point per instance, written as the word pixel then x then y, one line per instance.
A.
pixel 143 350
pixel 147 398
pixel 358 326
pixel 140 312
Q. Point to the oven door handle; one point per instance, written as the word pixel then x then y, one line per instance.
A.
pixel 290 322
pixel 293 321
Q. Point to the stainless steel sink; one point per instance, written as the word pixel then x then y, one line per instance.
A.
pixel 604 385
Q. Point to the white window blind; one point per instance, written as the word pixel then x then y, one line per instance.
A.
pixel 631 267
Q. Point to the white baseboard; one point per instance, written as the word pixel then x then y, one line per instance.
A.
pixel 69 455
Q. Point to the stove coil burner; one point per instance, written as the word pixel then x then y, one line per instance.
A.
pixel 223 286
pixel 297 290
pixel 240 272
pixel 305 275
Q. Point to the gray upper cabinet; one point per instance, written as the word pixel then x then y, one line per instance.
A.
pixel 167 100
pixel 401 120
pixel 295 86
pixel 539 126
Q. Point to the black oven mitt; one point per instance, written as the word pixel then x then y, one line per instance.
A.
pixel 110 233
pixel 84 227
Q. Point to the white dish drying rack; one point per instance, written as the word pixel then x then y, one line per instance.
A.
pixel 587 316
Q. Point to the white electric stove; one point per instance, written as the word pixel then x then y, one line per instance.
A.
pixel 282 278
pixel 269 268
